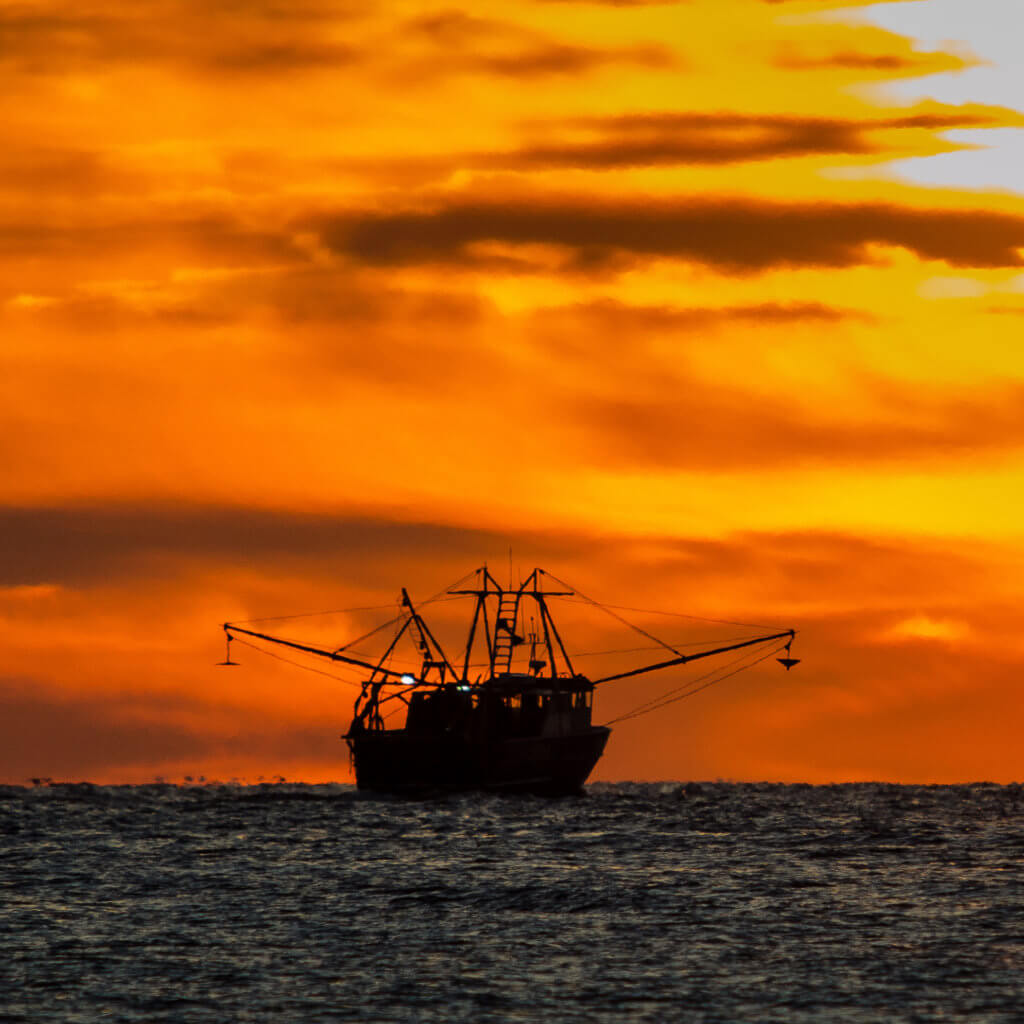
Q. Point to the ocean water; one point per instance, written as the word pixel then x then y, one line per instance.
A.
pixel 638 902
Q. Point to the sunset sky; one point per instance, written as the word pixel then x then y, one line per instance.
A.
pixel 710 306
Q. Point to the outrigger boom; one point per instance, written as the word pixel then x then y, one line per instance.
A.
pixel 684 658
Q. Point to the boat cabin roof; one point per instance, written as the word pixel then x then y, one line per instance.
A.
pixel 521 682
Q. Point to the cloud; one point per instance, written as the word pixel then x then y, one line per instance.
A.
pixel 851 59
pixel 621 3
pixel 349 327
pixel 50 733
pixel 565 59
pixel 829 574
pixel 714 428
pixel 62 171
pixel 738 235
pixel 461 43
pixel 619 319
pixel 46 733
pixel 296 295
pixel 222 36
pixel 91 544
pixel 828 4
pixel 216 238
pixel 608 339
pixel 818 4
pixel 165 545
pixel 87 313
pixel 645 139
pixel 270 39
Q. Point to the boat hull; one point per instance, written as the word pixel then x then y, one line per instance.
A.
pixel 396 762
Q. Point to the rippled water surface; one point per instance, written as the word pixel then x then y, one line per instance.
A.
pixel 710 902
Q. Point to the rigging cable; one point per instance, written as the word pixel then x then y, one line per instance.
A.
pixel 672 696
pixel 632 650
pixel 681 643
pixel 675 615
pixel 346 611
pixel 614 615
pixel 376 629
pixel 441 595
pixel 297 664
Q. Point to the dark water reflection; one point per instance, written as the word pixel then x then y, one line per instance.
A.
pixel 711 902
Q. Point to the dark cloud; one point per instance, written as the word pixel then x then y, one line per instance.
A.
pixel 670 138
pixel 222 240
pixel 622 3
pixel 298 296
pixel 458 28
pixel 645 139
pixel 85 314
pixel 46 733
pixel 607 322
pixel 152 543
pixel 91 544
pixel 264 38
pixel 851 59
pixel 555 58
pixel 467 43
pixel 374 331
pixel 271 57
pixel 51 734
pixel 61 172
pixel 219 36
pixel 716 428
pixel 739 235
pixel 313 295
pixel 820 569
pixel 331 325
pixel 829 3
pixel 680 3
pixel 643 348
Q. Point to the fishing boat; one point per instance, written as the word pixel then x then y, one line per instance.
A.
pixel 522 724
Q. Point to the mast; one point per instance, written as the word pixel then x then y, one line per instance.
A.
pixel 502 638
pixel 426 640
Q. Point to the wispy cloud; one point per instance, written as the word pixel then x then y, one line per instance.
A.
pixel 738 235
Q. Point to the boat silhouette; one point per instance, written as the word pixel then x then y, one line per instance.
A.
pixel 522 725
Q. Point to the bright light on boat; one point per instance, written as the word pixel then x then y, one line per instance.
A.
pixel 408 680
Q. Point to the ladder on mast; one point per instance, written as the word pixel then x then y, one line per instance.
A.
pixel 505 638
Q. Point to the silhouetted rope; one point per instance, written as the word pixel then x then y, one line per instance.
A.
pixel 297 664
pixel 614 615
pixel 673 695
pixel 674 615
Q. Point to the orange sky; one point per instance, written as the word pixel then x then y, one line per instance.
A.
pixel 302 302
